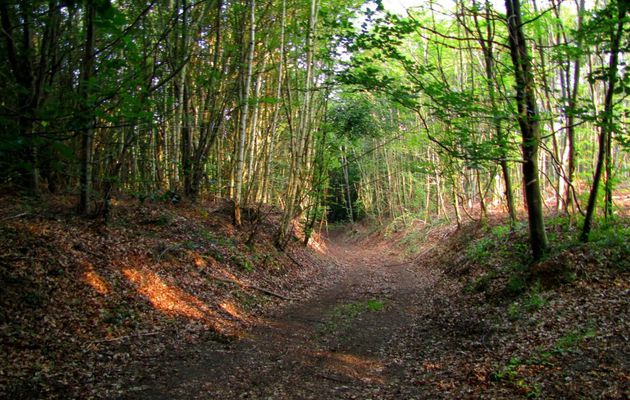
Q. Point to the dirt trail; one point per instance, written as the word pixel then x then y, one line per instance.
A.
pixel 333 345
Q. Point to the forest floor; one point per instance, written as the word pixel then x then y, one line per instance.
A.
pixel 332 345
pixel 167 302
pixel 379 327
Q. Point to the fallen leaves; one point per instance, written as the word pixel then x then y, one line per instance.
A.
pixel 91 311
pixel 82 303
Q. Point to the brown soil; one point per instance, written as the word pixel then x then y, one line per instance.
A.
pixel 310 349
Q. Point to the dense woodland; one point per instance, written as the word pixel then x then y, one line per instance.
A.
pixel 314 199
pixel 329 110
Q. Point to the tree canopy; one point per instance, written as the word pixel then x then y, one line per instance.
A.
pixel 325 109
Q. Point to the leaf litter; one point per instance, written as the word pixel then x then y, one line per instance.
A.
pixel 163 303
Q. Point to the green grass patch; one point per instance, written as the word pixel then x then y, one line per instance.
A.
pixel 343 315
pixel 207 235
pixel 353 310
pixel 510 373
pixel 571 340
pixel 533 300
pixel 164 220
pixel 501 231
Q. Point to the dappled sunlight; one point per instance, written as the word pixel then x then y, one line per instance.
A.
pixel 93 279
pixel 34 228
pixel 230 276
pixel 198 260
pixel 318 244
pixel 174 301
pixel 353 366
pixel 232 309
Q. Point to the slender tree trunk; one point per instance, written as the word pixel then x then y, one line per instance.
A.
pixel 607 120
pixel 87 71
pixel 528 119
pixel 570 118
pixel 299 171
pixel 253 162
pixel 482 201
pixel 276 111
pixel 608 183
pixel 458 215
pixel 240 150
pixel 346 180
pixel 486 43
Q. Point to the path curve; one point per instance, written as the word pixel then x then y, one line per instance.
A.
pixel 331 346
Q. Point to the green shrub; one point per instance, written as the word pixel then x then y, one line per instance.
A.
pixel 242 262
pixel 501 231
pixel 514 311
pixel 164 220
pixel 516 284
pixel 479 251
pixel 535 300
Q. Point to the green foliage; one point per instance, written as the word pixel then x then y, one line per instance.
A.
pixel 511 373
pixel 612 243
pixel 516 284
pixel 611 235
pixel 571 340
pixel 479 250
pixel 398 224
pixel 375 305
pixel 216 254
pixel 480 284
pixel 353 310
pixel 501 231
pixel 242 262
pixel 207 235
pixel 532 301
pixel 514 311
pixel 535 300
pixel 164 219
pixel 190 245
pixel 353 118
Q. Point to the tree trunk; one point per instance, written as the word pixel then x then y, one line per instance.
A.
pixel 87 71
pixel 346 179
pixel 570 117
pixel 276 110
pixel 240 150
pixel 607 120
pixel 528 119
pixel 458 215
pixel 300 152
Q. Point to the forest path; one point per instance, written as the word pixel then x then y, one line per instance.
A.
pixel 331 346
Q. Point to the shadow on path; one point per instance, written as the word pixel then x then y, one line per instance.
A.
pixel 333 345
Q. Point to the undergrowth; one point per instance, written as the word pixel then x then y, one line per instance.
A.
pixel 494 260
pixel 499 262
